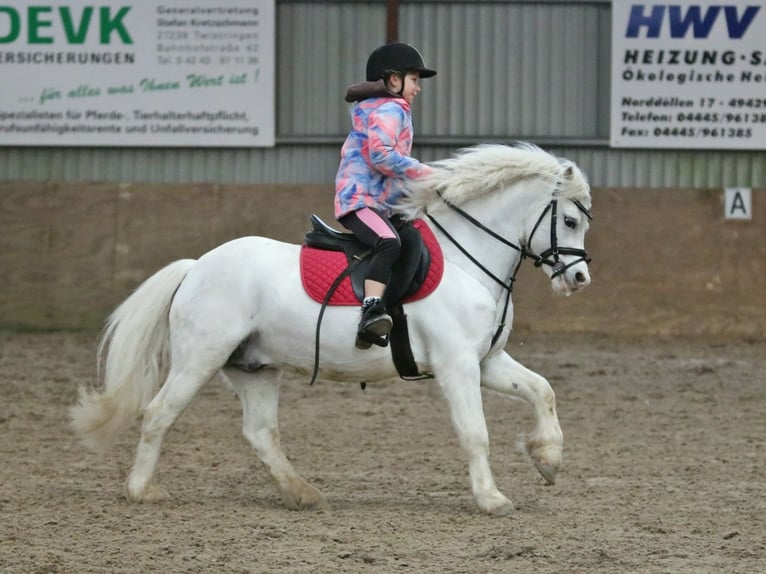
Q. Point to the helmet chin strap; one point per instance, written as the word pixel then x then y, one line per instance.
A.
pixel 401 76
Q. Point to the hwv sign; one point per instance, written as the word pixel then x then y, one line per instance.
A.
pixel 696 20
pixel 688 74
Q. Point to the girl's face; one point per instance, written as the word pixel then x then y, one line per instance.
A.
pixel 411 85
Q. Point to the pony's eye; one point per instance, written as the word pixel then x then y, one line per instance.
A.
pixel 570 222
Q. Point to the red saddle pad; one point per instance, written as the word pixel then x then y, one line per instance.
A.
pixel 320 268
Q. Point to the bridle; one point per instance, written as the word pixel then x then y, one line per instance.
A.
pixel 548 257
pixel 554 250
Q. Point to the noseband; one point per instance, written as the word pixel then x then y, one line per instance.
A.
pixel 548 257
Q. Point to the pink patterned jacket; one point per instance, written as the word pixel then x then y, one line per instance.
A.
pixel 375 158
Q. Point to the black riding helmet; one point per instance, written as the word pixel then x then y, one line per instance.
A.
pixel 396 57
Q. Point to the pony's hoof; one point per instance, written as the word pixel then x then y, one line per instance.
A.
pixel 545 456
pixel 315 504
pixel 548 471
pixel 499 506
pixel 306 497
pixel 151 493
pixel 504 509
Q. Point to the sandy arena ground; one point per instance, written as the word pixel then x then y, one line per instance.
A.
pixel 663 471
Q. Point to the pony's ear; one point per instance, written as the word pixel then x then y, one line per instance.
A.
pixel 568 171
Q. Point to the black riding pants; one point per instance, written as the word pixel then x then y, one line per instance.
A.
pixel 375 230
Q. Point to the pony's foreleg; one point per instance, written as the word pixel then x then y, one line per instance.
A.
pixel 179 389
pixel 460 385
pixel 259 394
pixel 503 374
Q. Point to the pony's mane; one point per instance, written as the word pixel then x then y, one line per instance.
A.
pixel 483 168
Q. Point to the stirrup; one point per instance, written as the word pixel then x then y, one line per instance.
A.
pixel 365 340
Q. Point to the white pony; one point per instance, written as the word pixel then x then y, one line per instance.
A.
pixel 490 207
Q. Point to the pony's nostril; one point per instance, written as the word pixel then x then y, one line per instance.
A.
pixel 580 277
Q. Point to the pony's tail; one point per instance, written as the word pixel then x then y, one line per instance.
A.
pixel 132 360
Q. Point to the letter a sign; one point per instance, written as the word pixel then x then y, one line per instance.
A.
pixel 738 203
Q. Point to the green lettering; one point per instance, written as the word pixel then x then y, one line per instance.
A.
pixel 76 36
pixel 109 25
pixel 35 23
pixel 14 27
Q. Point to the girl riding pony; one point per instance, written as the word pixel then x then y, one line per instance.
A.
pixel 375 162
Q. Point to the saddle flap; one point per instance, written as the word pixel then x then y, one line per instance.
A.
pixel 410 268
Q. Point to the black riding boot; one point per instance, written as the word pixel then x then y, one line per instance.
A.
pixel 375 325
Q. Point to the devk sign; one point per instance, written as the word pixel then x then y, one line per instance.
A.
pixel 140 73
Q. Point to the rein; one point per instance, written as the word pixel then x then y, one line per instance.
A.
pixel 543 258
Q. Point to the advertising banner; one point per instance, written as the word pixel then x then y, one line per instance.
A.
pixel 689 74
pixel 185 73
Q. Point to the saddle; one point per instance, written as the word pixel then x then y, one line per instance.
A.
pixel 334 265
pixel 410 277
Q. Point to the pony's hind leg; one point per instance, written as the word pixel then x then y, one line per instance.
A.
pixel 259 393
pixel 176 394
pixel 504 375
